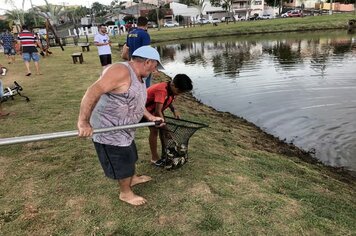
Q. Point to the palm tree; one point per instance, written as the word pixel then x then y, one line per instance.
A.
pixel 23 7
pixel 51 13
pixel 16 14
pixel 16 17
pixel 200 5
pixel 76 13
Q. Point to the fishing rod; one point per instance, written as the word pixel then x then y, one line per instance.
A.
pixel 64 134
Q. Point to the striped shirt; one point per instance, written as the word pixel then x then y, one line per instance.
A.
pixel 28 41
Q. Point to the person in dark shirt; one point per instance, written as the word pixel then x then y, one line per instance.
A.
pixel 139 37
pixel 7 40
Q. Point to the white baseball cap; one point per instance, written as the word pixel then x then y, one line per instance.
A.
pixel 148 52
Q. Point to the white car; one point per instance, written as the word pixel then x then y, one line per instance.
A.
pixel 203 21
pixel 266 16
pixel 215 20
pixel 170 24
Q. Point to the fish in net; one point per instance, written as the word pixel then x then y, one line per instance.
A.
pixel 175 136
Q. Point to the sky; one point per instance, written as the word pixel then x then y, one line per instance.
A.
pixel 18 3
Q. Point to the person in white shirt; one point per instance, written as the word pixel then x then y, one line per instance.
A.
pixel 102 41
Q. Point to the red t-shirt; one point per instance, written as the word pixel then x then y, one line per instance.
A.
pixel 159 93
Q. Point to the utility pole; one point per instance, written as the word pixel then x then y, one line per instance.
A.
pixel 157 13
pixel 331 7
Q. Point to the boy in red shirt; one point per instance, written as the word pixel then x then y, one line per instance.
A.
pixel 159 97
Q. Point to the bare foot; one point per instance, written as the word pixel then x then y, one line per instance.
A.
pixel 132 199
pixel 140 179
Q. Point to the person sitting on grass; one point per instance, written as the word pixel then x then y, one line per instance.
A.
pixel 159 97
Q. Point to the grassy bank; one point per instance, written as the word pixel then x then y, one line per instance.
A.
pixel 311 23
pixel 239 181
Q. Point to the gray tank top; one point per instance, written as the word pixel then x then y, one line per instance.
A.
pixel 115 109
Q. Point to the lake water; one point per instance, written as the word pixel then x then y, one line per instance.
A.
pixel 299 87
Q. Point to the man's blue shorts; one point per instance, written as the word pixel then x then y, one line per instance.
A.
pixel 26 56
pixel 117 162
pixel 9 51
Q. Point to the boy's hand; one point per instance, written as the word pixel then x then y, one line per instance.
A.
pixel 176 115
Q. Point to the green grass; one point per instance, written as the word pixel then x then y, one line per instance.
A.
pixel 310 23
pixel 237 182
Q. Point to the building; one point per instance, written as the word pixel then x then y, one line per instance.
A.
pixel 193 13
pixel 247 8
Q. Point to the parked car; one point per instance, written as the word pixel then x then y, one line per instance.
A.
pixel 215 20
pixel 227 18
pixel 203 21
pixel 170 24
pixel 285 14
pixel 240 18
pixel 266 16
pixel 295 13
pixel 254 17
pixel 151 24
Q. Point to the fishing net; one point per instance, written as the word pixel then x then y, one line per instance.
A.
pixel 175 137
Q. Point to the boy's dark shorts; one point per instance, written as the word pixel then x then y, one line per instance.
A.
pixel 105 59
pixel 117 162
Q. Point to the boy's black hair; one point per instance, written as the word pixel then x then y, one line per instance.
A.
pixel 183 83
pixel 142 21
pixel 101 25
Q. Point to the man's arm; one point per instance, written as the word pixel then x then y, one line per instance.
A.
pixel 115 78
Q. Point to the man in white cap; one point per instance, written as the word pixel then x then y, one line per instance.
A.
pixel 118 98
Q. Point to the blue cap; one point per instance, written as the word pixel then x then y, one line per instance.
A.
pixel 148 52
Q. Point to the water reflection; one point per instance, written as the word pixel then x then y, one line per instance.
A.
pixel 300 87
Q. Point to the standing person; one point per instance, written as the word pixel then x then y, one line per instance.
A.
pixel 118 97
pixel 28 42
pixel 8 42
pixel 159 97
pixel 139 37
pixel 102 41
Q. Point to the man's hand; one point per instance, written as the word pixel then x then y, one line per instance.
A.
pixel 84 129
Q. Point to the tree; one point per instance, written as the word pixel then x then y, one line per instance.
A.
pixel 51 13
pixel 129 18
pixel 98 9
pixel 179 18
pixel 152 14
pixel 200 5
pixel 34 15
pixel 76 13
pixel 226 5
pixel 188 2
pixel 15 16
pixel 31 20
pixel 4 25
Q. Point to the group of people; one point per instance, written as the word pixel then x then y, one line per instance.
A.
pixel 26 44
pixel 122 96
